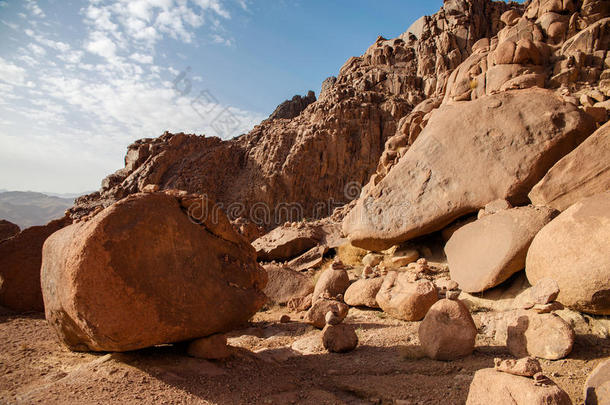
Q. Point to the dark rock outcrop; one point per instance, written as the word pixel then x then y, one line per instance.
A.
pixel 292 108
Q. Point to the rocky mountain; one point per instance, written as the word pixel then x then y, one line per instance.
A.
pixel 26 208
pixel 319 159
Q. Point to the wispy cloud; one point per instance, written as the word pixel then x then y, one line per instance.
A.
pixel 69 107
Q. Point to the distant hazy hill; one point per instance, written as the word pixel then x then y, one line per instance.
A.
pixel 26 208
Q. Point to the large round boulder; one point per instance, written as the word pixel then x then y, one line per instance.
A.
pixel 485 253
pixel 448 331
pixel 573 250
pixel 143 272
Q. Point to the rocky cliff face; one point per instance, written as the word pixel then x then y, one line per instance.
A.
pixel 305 166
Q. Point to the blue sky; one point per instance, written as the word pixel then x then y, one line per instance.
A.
pixel 81 80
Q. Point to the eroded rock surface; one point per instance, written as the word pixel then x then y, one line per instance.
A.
pixel 461 162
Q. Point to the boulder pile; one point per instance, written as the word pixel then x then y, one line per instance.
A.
pixel 457 176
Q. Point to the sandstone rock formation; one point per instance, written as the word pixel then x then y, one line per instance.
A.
pixel 580 174
pixel 440 177
pixel 100 275
pixel 447 331
pixel 8 229
pixel 292 108
pixel 20 259
pixel 573 250
pixel 487 252
pixel 490 386
pixel 312 258
pixel 406 300
pixel 285 284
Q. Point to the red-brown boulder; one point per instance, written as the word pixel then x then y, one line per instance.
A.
pixel 20 259
pixel 142 272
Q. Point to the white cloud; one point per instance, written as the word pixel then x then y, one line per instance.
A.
pixel 148 20
pixel 101 45
pixel 71 56
pixel 37 50
pixel 57 45
pixel 141 58
pixel 221 40
pixel 11 73
pixel 33 8
pixel 10 24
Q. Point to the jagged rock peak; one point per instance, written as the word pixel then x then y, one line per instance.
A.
pixel 292 108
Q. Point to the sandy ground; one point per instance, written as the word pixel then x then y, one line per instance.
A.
pixel 272 363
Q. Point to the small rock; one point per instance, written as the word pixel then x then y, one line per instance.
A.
pixel 212 347
pixel 300 304
pixel 493 207
pixel 446 284
pixel 284 318
pixel 404 256
pixel 337 265
pixel 526 367
pixel 339 338
pixel 448 331
pixel 333 318
pixel 545 291
pixel 363 292
pixel 317 313
pixel 405 300
pixel 367 272
pixel 372 259
pixel 452 294
pixel 332 281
